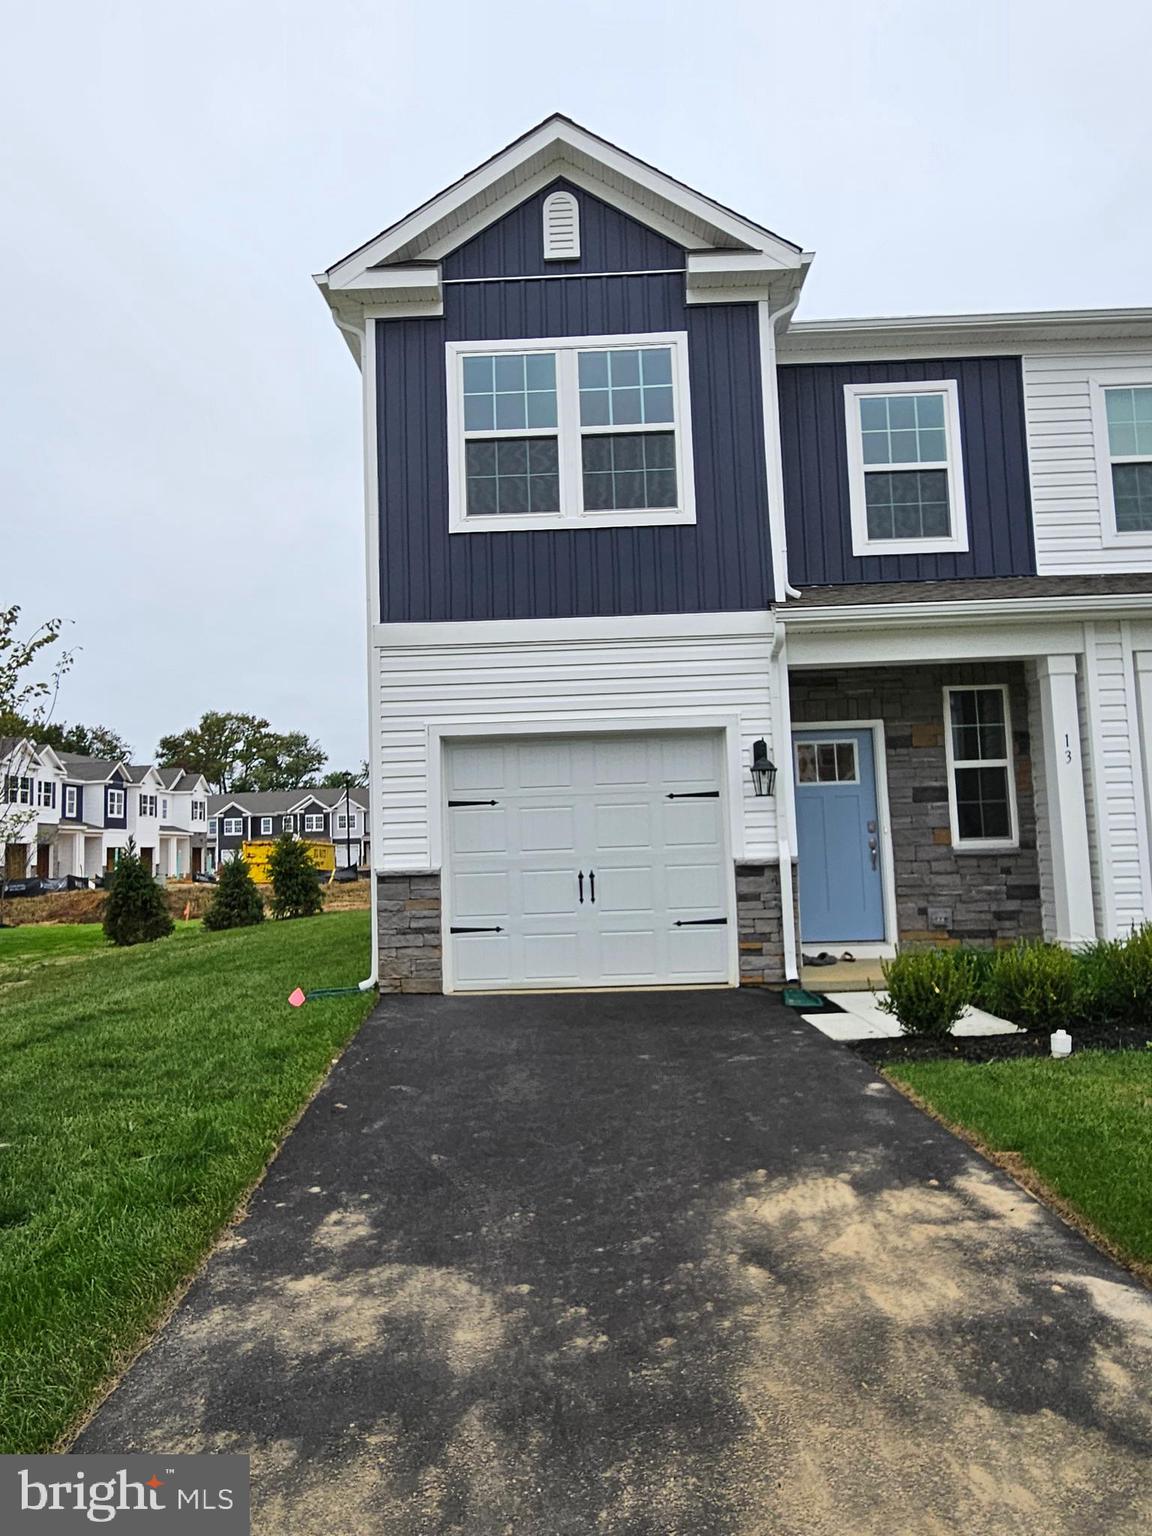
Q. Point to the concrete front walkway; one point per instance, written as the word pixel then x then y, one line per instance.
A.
pixel 668 1264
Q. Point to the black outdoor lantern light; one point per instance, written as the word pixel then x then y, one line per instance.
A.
pixel 763 769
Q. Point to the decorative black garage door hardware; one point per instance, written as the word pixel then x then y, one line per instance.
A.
pixel 695 794
pixel 701 922
pixel 497 929
pixel 453 803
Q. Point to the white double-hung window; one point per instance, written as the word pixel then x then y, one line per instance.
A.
pixel 574 432
pixel 981 784
pixel 1123 426
pixel 905 475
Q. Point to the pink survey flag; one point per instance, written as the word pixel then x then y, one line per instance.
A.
pixel 297 998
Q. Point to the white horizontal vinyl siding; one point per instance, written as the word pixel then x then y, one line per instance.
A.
pixel 1064 464
pixel 567 685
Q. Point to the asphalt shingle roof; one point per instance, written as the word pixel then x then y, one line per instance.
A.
pixel 274 802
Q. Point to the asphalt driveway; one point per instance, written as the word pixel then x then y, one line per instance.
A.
pixel 667 1264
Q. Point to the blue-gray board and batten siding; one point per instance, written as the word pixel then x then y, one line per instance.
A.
pixel 723 563
pixel 815 462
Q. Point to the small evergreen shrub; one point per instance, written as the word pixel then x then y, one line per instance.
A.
pixel 236 903
pixel 1117 979
pixel 928 990
pixel 979 964
pixel 295 889
pixel 1033 985
pixel 135 911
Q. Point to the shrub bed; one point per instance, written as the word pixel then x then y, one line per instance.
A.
pixel 1103 989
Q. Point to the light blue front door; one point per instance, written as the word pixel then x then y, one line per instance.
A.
pixel 838 831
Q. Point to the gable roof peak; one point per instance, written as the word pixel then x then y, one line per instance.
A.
pixel 558 145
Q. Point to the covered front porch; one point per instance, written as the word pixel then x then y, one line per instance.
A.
pixel 964 778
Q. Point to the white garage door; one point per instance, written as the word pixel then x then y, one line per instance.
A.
pixel 587 861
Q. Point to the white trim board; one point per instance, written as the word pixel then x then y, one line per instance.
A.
pixel 625 628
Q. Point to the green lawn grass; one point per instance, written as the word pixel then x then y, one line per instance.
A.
pixel 1084 1125
pixel 142 1091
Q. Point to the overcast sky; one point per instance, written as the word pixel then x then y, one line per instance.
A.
pixel 179 435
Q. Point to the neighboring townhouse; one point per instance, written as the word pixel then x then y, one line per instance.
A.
pixel 317 815
pixel 88 808
pixel 701 638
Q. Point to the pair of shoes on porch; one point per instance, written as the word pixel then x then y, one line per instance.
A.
pixel 824 958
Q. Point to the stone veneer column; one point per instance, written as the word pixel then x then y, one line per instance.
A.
pixel 759 923
pixel 411 958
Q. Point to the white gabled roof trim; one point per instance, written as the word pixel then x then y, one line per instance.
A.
pixel 555 147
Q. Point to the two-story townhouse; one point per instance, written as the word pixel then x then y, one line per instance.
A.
pixel 322 815
pixel 82 811
pixel 30 807
pixel 700 638
pixel 183 821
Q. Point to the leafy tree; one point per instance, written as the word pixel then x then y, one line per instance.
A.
pixel 282 761
pixel 240 753
pixel 295 891
pixel 334 778
pixel 135 911
pixel 27 698
pixel 85 740
pixel 235 902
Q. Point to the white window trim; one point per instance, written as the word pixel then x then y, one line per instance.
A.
pixel 314 822
pixel 265 826
pixel 71 802
pixel 232 826
pixel 983 844
pixel 957 540
pixel 1140 538
pixel 568 434
pixel 116 797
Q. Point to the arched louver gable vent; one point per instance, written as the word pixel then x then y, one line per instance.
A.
pixel 561 227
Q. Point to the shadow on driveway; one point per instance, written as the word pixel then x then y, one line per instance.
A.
pixel 659 1264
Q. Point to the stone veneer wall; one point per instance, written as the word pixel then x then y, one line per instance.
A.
pixel 759 912
pixel 983 896
pixel 411 959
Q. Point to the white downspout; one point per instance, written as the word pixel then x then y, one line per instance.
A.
pixel 362 337
pixel 785 801
pixel 769 320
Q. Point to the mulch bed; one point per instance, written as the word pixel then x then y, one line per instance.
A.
pixel 1118 1037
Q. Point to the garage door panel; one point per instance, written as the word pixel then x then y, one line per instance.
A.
pixel 482 958
pixel 545 765
pixel 547 829
pixel 548 892
pixel 629 955
pixel 477 767
pixel 688 760
pixel 696 953
pixel 620 888
pixel 695 888
pixel 477 894
pixel 693 822
pixel 624 825
pixel 621 762
pixel 478 830
pixel 552 957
